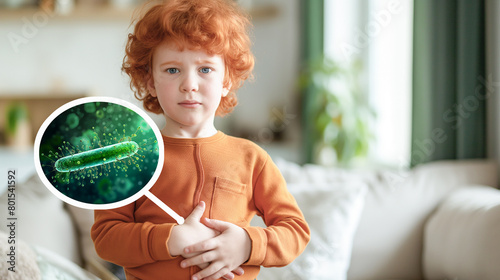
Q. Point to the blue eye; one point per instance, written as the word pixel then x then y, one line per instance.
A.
pixel 205 70
pixel 172 70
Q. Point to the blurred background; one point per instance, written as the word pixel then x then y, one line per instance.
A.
pixel 335 81
pixel 353 84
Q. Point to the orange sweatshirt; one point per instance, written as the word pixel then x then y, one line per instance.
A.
pixel 235 178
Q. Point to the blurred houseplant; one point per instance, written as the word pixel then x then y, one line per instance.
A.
pixel 18 126
pixel 338 113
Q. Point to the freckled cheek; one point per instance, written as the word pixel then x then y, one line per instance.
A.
pixel 166 90
pixel 166 97
pixel 161 83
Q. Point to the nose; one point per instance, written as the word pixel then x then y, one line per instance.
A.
pixel 189 84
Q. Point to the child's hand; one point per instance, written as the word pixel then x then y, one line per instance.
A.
pixel 192 232
pixel 229 276
pixel 224 252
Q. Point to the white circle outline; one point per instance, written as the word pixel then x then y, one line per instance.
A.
pixel 95 206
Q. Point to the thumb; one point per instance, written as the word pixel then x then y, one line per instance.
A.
pixel 217 225
pixel 197 212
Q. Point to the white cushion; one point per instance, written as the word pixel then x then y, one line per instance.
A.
pixel 332 212
pixel 54 266
pixel 462 237
pixel 42 219
pixel 389 240
pixel 24 264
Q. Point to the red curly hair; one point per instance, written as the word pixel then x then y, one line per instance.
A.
pixel 218 27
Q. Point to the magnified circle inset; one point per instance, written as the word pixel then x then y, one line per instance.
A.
pixel 99 153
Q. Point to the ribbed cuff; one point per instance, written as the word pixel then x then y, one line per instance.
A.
pixel 158 242
pixel 259 245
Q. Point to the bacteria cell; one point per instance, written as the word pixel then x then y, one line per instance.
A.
pixel 99 152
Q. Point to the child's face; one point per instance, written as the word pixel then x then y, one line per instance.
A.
pixel 189 87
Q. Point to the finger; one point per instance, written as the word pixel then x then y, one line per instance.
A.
pixel 239 271
pixel 197 212
pixel 217 225
pixel 213 272
pixel 200 260
pixel 219 274
pixel 228 276
pixel 203 265
pixel 201 247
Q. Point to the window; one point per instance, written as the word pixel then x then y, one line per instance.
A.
pixel 379 33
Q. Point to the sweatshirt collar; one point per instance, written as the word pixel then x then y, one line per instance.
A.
pixel 193 141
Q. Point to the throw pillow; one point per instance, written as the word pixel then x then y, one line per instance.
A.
pixel 332 212
pixel 461 238
pixel 25 264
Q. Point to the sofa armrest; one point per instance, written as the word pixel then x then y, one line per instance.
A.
pixel 461 239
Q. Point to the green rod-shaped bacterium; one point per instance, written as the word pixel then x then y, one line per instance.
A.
pixel 96 157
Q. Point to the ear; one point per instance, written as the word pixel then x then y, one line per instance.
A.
pixel 150 83
pixel 226 89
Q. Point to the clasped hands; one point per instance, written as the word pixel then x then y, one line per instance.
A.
pixel 217 247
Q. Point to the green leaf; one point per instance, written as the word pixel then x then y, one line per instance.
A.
pixel 16 113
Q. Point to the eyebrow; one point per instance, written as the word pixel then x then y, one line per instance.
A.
pixel 206 61
pixel 173 62
pixel 178 63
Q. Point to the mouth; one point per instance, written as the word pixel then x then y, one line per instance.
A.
pixel 190 103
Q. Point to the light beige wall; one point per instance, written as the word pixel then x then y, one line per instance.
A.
pixel 493 76
pixel 84 54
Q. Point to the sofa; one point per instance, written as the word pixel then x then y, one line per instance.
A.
pixel 52 238
pixel 439 220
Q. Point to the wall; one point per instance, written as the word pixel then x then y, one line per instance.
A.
pixel 43 54
pixel 273 90
pixel 62 55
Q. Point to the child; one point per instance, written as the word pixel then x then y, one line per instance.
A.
pixel 186 60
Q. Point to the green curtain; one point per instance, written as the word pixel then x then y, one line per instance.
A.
pixel 312 48
pixel 449 90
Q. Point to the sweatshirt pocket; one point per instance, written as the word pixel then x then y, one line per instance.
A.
pixel 229 202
